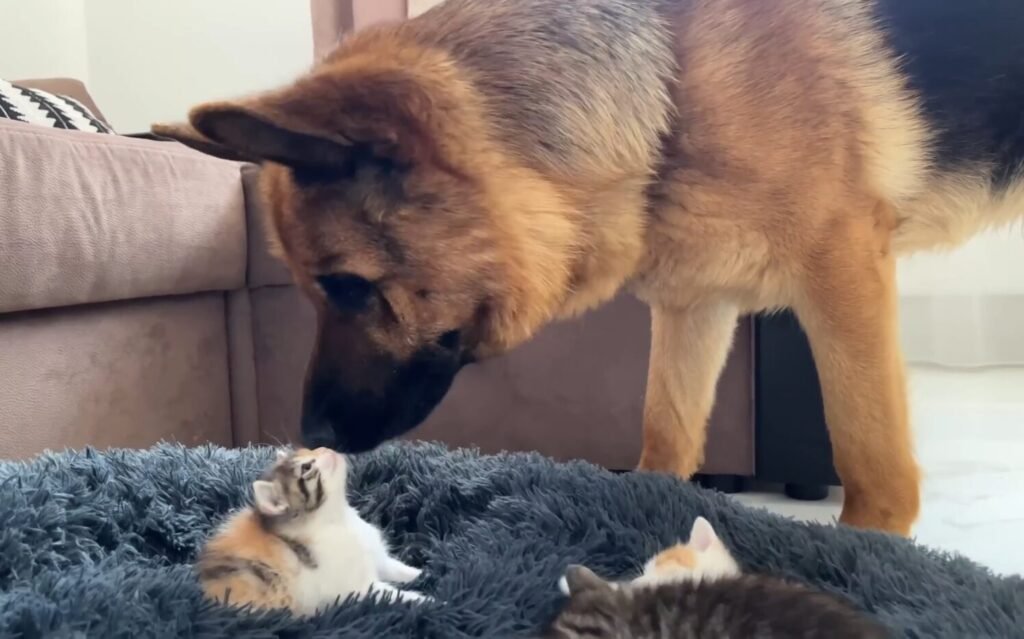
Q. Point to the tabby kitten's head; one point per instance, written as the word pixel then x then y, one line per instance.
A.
pixel 300 484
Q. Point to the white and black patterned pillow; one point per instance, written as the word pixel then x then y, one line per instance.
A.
pixel 46 109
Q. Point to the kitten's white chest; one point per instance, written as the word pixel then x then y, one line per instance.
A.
pixel 346 555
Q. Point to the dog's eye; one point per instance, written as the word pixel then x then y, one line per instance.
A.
pixel 450 341
pixel 347 293
pixel 313 176
pixel 310 177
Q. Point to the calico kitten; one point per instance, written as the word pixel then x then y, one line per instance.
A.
pixel 300 545
pixel 696 591
pixel 703 557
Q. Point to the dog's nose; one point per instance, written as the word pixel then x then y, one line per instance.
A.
pixel 317 433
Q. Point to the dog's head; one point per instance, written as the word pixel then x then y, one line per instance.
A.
pixel 421 244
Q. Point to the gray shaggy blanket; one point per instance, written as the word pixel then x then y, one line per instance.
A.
pixel 99 544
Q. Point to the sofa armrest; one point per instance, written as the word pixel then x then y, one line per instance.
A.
pixel 95 218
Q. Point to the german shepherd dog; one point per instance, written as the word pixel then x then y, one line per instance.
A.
pixel 443 187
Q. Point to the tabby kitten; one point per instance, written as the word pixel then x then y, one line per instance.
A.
pixel 300 545
pixel 696 591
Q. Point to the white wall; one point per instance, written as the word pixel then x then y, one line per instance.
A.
pixel 990 264
pixel 43 39
pixel 966 307
pixel 151 60
pixel 417 7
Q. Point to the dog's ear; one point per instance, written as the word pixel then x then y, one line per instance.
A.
pixel 186 134
pixel 326 121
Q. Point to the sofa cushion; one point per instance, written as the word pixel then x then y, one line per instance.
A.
pixel 65 86
pixel 36 106
pixel 90 218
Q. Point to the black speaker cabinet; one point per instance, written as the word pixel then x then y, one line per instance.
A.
pixel 791 441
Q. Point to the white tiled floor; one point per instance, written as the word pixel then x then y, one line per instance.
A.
pixel 969 428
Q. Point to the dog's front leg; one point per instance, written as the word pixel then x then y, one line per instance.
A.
pixel 688 350
pixel 849 311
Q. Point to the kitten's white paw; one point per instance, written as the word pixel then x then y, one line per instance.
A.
pixel 405 574
pixel 397 595
pixel 563 585
pixel 397 572
pixel 413 596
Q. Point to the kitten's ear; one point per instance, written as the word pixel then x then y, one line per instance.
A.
pixel 268 498
pixel 702 535
pixel 282 453
pixel 579 578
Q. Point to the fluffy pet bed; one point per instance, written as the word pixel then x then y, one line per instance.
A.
pixel 99 544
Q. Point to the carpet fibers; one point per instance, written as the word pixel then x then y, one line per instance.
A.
pixel 100 544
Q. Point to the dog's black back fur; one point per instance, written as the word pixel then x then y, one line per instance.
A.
pixel 965 59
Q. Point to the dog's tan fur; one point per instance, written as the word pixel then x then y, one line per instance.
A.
pixel 708 194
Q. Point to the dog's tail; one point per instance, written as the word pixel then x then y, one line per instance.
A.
pixel 952 208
